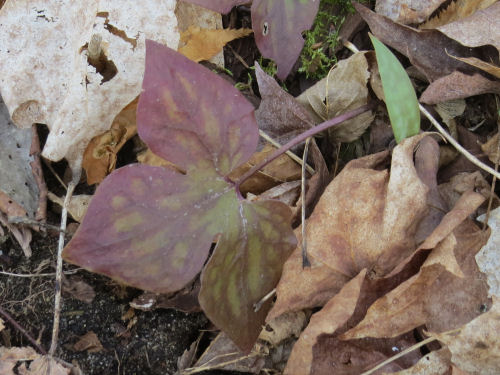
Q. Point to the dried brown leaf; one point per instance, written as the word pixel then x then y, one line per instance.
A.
pixel 344 89
pixel 283 327
pixel 435 363
pixel 78 289
pixel 456 10
pixel 407 11
pixel 333 315
pixel 475 348
pixel 88 342
pixel 202 44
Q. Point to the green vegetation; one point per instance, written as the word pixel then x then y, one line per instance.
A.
pixel 318 56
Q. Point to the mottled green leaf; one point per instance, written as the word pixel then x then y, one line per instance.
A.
pixel 400 97
pixel 152 228
pixel 278 27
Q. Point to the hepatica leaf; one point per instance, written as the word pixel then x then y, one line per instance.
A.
pixel 400 97
pixel 278 27
pixel 152 227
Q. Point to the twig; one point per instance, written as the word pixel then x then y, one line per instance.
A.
pixel 70 272
pixel 457 145
pixel 493 183
pixel 237 55
pixel 51 169
pixel 23 331
pixel 258 305
pixel 28 221
pixel 305 260
pixel 301 138
pixel 294 157
pixel 404 352
pixel 57 298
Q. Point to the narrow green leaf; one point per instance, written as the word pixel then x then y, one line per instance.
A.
pixel 400 97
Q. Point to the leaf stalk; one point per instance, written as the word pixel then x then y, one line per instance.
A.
pixel 301 138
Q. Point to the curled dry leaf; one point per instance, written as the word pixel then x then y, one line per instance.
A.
pixel 361 221
pixel 99 158
pixel 430 297
pixel 77 206
pixel 435 363
pixel 53 80
pixel 283 327
pixel 345 88
pixel 475 347
pixel 456 10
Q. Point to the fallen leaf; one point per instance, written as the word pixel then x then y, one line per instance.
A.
pixel 51 80
pixel 479 29
pixel 487 259
pixel 283 169
pixel 279 115
pixel 491 148
pixel 9 358
pixel 475 347
pixel 430 297
pixel 484 66
pixel 222 354
pixel 458 85
pixel 437 362
pixel 2 326
pixel 452 191
pixel 43 365
pixel 203 44
pixel 456 10
pixel 77 206
pixel 18 188
pixel 88 342
pixel 407 11
pixel 332 316
pixel 428 50
pixel 99 158
pixel 345 88
pixel 78 289
pixel 283 327
pixel 207 140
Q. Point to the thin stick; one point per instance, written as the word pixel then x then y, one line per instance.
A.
pixel 49 165
pixel 493 183
pixel 457 145
pixel 301 138
pixel 35 223
pixel 305 260
pixel 57 298
pixel 294 157
pixel 404 352
pixel 22 330
pixel 258 305
pixel 71 272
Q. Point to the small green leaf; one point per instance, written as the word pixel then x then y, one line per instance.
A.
pixel 400 97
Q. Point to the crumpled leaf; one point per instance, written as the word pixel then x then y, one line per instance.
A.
pixel 429 51
pixel 9 357
pixel 475 348
pixel 488 258
pixel 407 11
pixel 345 88
pixel 361 221
pixel 400 97
pixel 431 295
pixel 99 158
pixel 77 206
pixel 50 80
pixel 436 362
pixel 278 27
pixel 332 316
pixel 203 44
pixel 283 327
pixel 152 227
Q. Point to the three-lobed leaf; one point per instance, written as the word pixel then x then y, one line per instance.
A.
pixel 152 227
pixel 400 97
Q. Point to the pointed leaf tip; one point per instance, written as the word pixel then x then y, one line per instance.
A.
pixel 400 97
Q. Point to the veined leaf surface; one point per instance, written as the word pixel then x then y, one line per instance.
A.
pixel 152 228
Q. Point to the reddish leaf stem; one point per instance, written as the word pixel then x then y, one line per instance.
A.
pixel 22 330
pixel 301 138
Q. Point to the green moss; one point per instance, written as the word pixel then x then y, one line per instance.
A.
pixel 318 56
